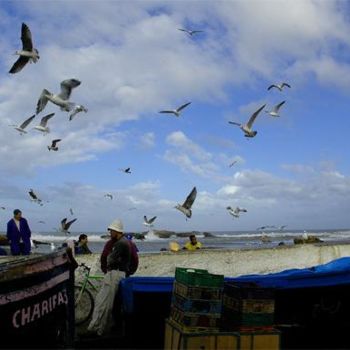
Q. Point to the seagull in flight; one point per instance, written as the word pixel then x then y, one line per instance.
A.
pixel 148 222
pixel 264 227
pixel 41 222
pixel 77 109
pixel 190 32
pixel 61 99
pixel 185 208
pixel 71 211
pixel 108 195
pixel 54 146
pixel 127 170
pixel 279 86
pixel 275 110
pixel 21 128
pixel 34 197
pixel 176 111
pixel 236 212
pixel 247 128
pixel 233 163
pixel 2 208
pixel 28 52
pixel 66 225
pixel 43 124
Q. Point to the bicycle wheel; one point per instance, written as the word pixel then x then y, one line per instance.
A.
pixel 84 306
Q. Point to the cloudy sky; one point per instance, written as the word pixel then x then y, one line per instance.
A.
pixel 133 62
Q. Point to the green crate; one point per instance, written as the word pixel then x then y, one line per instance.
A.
pixel 198 277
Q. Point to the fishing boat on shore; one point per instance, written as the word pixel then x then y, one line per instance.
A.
pixel 37 301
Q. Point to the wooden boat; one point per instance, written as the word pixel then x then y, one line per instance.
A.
pixel 36 301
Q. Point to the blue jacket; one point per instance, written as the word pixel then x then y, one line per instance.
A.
pixel 13 233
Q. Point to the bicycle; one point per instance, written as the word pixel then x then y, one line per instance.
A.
pixel 84 301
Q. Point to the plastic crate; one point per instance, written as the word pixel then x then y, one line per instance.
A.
pixel 190 292
pixel 195 322
pixel 198 306
pixel 198 277
pixel 247 290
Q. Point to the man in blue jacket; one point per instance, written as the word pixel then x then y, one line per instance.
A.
pixel 18 233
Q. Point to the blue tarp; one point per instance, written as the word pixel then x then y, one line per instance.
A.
pixel 336 272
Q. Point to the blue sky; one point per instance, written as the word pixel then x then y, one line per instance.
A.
pixel 133 62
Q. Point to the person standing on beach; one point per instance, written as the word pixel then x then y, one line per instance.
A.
pixel 193 244
pixel 117 265
pixel 18 233
pixel 82 246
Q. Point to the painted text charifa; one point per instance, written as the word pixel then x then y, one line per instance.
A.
pixel 28 314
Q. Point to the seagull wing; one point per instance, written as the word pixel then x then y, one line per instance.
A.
pixel 67 86
pixel 26 37
pixel 27 122
pixel 171 112
pixel 127 170
pixel 197 31
pixel 69 223
pixel 254 115
pixel 32 194
pixel 151 220
pixel 55 142
pixel 45 119
pixel 42 101
pixel 19 64
pixel 183 106
pixel 272 86
pixel 183 30
pixel 235 123
pixel 277 107
pixel 285 84
pixel 190 199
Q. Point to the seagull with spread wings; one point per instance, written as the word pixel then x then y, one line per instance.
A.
pixel 21 128
pixel 127 170
pixel 28 52
pixel 275 110
pixel 43 124
pixel 108 195
pixel 54 146
pixel 66 225
pixel 247 128
pixel 34 197
pixel 236 212
pixel 61 99
pixel 185 208
pixel 190 32
pixel 279 86
pixel 148 222
pixel 176 111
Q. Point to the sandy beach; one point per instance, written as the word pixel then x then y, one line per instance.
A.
pixel 234 262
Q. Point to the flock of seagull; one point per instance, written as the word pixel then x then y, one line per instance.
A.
pixel 62 99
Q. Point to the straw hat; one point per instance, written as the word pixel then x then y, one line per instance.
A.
pixel 116 225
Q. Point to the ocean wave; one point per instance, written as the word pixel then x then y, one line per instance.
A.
pixel 62 238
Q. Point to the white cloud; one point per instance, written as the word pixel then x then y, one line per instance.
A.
pixel 147 140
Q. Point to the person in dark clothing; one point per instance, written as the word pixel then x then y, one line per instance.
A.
pixel 106 251
pixel 18 233
pixel 119 258
pixel 82 246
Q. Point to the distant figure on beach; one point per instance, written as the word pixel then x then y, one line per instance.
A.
pixel 18 233
pixel 117 265
pixel 193 244
pixel 82 246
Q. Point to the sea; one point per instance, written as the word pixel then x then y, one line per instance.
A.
pixel 216 240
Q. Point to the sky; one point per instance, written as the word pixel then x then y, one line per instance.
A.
pixel 132 62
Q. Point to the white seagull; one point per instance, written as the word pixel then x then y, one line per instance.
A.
pixel 275 110
pixel 61 99
pixel 77 109
pixel 190 32
pixel 66 225
pixel 21 128
pixel 148 222
pixel 176 111
pixel 54 146
pixel 34 197
pixel 28 53
pixel 236 212
pixel 43 124
pixel 108 195
pixel 247 128
pixel 279 86
pixel 185 208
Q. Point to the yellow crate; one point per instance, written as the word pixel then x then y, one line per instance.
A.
pixel 259 340
pixel 178 339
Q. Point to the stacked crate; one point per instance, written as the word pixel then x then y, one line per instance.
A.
pixel 247 306
pixel 197 300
